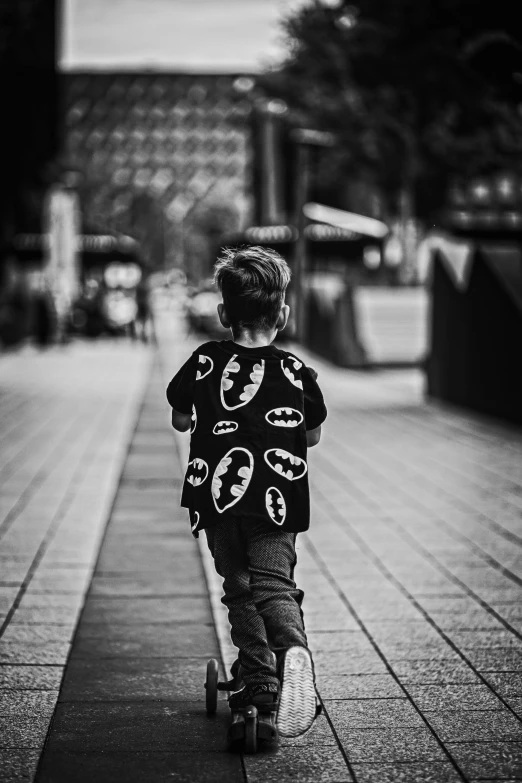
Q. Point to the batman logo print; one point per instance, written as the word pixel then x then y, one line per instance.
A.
pixel 275 505
pixel 286 464
pixel 284 417
pixel 197 472
pixel 194 522
pixel 231 478
pixel 240 381
pixel 193 420
pixel 290 366
pixel 224 427
pixel 205 366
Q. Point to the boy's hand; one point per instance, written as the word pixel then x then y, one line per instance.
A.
pixel 181 421
pixel 312 372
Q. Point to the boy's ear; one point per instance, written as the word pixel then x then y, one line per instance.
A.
pixel 283 318
pixel 222 313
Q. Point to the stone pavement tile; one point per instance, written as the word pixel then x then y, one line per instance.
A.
pixel 485 639
pixel 506 684
pixel 27 703
pixel 466 621
pixel 453 697
pixel 372 714
pixel 23 732
pixel 472 726
pixel 488 759
pixel 30 677
pixel 156 726
pixel 39 615
pixel 349 662
pixel 332 641
pixel 325 620
pixel 18 764
pixel 149 679
pixel 129 611
pixel 387 745
pixel 159 640
pixel 495 660
pixel 38 633
pixel 511 610
pixel 153 558
pixel 358 686
pixel 60 579
pixel 377 609
pixel 187 579
pixel 206 767
pixel 306 765
pixel 29 653
pixel 57 600
pixel 434 672
pixel 320 734
pixel 411 649
pixel 425 772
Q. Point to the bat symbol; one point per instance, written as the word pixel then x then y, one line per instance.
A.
pixel 232 477
pixel 290 365
pixel 275 505
pixel 207 367
pixel 222 427
pixel 286 464
pixel 239 390
pixel 197 472
pixel 193 419
pixel 195 522
pixel 284 417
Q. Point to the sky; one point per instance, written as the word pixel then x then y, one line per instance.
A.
pixel 190 35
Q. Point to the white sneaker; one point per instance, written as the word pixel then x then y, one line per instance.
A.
pixel 297 705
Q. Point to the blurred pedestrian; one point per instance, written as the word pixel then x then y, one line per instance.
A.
pixel 253 409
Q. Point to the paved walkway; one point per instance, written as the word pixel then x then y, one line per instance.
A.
pixel 66 416
pixel 413 579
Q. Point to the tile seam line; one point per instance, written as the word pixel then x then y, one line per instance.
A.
pixel 57 518
pixel 458 536
pixel 326 572
pixel 140 401
pixel 488 524
pixel 36 482
pixel 24 445
pixel 391 578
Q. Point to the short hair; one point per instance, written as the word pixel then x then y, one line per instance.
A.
pixel 252 281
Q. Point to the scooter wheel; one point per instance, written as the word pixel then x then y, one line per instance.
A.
pixel 250 742
pixel 211 687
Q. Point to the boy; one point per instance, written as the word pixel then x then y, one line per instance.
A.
pixel 252 410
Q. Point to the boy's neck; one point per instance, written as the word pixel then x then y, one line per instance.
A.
pixel 254 339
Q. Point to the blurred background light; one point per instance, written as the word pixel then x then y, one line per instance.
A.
pixel 372 257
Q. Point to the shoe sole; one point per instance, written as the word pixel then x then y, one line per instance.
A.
pixel 297 706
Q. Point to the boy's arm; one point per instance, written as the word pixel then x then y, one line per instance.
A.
pixel 180 393
pixel 181 421
pixel 313 437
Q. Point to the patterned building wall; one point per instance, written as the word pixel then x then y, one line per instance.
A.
pixel 163 157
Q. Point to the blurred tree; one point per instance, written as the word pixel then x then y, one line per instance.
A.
pixel 415 90
pixel 213 218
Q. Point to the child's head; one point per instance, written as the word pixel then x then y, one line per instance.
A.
pixel 252 281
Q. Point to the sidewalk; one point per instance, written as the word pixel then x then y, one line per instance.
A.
pixel 65 419
pixel 412 572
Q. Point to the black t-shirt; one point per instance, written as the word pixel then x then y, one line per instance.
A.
pixel 250 411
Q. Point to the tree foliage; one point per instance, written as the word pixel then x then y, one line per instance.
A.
pixel 415 90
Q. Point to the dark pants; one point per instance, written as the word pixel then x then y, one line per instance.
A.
pixel 264 605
